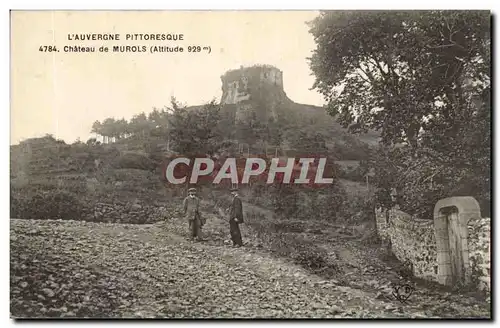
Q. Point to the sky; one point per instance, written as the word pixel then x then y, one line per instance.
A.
pixel 63 93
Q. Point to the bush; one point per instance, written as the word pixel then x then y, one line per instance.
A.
pixel 358 208
pixel 48 205
pixel 133 161
pixel 275 237
pixel 133 180
pixel 309 257
pixel 76 185
pixel 324 203
pixel 135 175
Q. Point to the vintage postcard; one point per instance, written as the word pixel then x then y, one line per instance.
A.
pixel 250 164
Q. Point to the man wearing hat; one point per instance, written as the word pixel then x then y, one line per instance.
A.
pixel 235 218
pixel 191 206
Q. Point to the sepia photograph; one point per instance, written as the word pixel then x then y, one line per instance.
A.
pixel 328 164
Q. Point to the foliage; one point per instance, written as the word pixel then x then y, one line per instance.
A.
pixel 133 161
pixel 288 129
pixel 430 175
pixel 93 142
pixel 421 78
pixel 350 148
pixel 291 201
pixel 308 143
pixel 356 174
pixel 383 60
pixel 195 132
pixel 47 205
pixel 111 128
pixel 358 208
pixel 301 251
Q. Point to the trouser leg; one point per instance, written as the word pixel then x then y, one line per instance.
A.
pixel 234 229
pixel 195 228
pixel 200 227
pixel 190 229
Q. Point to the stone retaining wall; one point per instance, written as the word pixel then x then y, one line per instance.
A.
pixel 411 240
pixel 121 212
pixel 479 252
pixel 414 241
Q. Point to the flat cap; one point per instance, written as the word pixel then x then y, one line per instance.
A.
pixel 192 189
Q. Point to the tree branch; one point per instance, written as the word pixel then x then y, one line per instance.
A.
pixel 369 75
pixel 364 79
pixel 377 63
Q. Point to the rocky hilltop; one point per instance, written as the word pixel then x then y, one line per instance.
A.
pixel 256 93
pixel 256 90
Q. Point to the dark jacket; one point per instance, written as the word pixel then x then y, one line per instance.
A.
pixel 236 210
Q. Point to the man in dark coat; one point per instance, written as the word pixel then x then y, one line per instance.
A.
pixel 235 218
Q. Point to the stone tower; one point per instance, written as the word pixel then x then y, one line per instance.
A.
pixel 256 91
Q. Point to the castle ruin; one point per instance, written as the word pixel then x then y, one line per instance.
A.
pixel 251 89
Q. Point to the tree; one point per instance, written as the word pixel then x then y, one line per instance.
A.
pixel 420 78
pixel 108 129
pixel 394 66
pixel 121 128
pixel 308 143
pixel 92 142
pixel 97 128
pixel 139 124
pixel 195 132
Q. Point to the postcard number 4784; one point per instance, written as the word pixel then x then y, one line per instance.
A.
pixel 48 49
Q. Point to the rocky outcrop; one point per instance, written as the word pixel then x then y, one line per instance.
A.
pixel 256 91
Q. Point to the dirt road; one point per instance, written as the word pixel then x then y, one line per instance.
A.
pixel 83 269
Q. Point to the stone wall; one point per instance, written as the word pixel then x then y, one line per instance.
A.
pixel 414 240
pixel 411 240
pixel 479 252
pixel 240 82
pixel 125 212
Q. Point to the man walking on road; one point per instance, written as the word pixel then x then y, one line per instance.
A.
pixel 235 218
pixel 191 207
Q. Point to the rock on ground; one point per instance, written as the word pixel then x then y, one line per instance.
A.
pixel 96 270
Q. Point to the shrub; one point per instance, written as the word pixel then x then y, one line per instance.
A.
pixel 307 203
pixel 76 185
pixel 48 205
pixel 133 161
pixel 280 238
pixel 309 257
